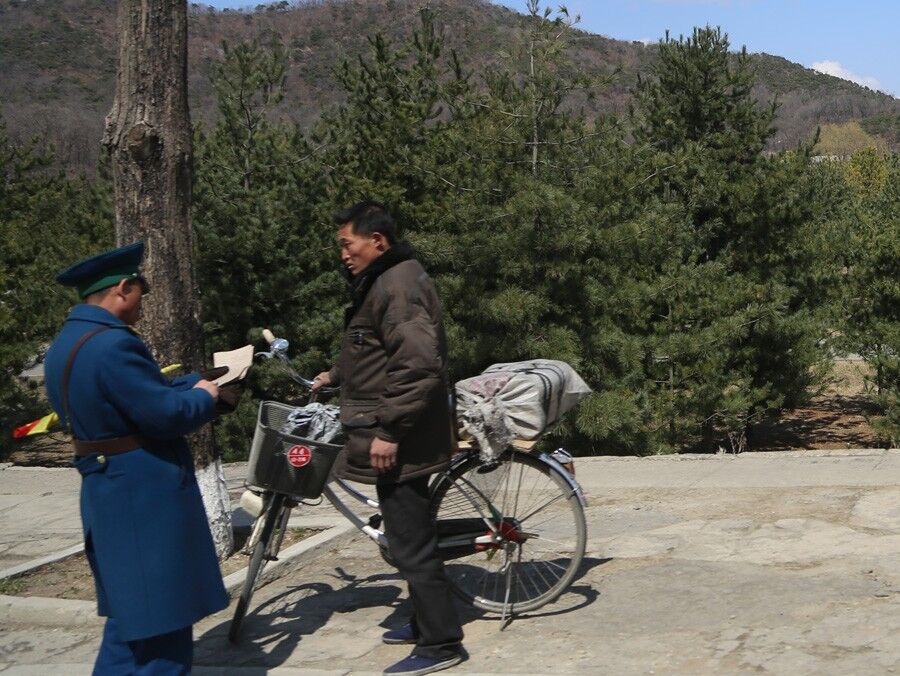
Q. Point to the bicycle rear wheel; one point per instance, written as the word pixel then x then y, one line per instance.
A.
pixel 541 526
pixel 266 548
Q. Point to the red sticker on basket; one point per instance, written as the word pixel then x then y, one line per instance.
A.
pixel 299 456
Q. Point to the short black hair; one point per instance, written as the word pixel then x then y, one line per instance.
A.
pixel 100 294
pixel 367 218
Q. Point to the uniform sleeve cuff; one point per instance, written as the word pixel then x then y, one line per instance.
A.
pixel 187 381
pixel 208 402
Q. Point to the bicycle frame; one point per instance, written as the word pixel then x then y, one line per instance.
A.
pixel 374 533
pixel 492 522
pixel 378 536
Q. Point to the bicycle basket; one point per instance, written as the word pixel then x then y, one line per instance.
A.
pixel 285 463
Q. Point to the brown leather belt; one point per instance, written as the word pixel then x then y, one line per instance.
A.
pixel 113 446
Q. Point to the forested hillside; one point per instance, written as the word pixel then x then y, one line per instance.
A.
pixel 701 276
pixel 58 59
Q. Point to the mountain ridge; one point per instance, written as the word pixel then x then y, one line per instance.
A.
pixel 59 59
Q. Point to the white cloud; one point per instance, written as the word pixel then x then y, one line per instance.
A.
pixel 836 69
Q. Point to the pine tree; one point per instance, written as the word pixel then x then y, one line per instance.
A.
pixel 673 272
pixel 872 282
pixel 514 204
pixel 259 242
pixel 47 222
pixel 265 244
pixel 736 328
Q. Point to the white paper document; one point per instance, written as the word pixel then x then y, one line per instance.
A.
pixel 238 362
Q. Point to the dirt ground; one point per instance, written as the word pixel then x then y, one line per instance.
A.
pixel 761 563
pixel 71 578
pixel 834 419
pixel 42 450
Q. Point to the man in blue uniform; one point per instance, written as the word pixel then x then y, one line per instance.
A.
pixel 145 530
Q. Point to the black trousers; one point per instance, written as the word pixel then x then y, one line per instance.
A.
pixel 412 541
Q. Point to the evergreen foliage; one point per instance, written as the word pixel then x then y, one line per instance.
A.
pixel 735 331
pixel 872 281
pixel 695 281
pixel 46 223
pixel 264 249
pixel 675 273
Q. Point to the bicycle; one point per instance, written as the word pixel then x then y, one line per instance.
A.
pixel 512 532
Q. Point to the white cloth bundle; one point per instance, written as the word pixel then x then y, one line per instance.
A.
pixel 525 398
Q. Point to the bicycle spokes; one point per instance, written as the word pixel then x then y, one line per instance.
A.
pixel 531 537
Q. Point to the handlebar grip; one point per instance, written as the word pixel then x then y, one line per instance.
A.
pixel 269 336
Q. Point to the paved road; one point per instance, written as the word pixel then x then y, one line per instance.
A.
pixel 39 510
pixel 784 563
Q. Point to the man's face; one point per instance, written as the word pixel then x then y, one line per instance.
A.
pixel 358 250
pixel 131 302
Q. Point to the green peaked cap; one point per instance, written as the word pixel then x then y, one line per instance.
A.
pixel 104 269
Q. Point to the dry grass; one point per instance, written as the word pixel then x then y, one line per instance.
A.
pixel 848 378
pixel 836 419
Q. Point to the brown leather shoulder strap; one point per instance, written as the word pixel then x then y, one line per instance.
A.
pixel 68 371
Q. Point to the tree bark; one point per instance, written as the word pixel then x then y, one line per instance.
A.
pixel 148 136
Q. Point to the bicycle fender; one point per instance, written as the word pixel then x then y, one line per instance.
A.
pixel 569 479
pixel 440 477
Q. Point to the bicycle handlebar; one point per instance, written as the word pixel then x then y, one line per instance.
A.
pixel 278 348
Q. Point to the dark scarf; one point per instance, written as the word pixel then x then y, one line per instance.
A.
pixel 362 283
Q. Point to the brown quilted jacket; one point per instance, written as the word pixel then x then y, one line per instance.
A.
pixel 392 370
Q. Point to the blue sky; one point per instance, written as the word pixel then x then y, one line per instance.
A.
pixel 857 40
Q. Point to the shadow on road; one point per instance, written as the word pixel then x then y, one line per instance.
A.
pixel 578 596
pixel 273 629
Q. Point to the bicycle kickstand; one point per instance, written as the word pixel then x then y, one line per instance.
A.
pixel 507 615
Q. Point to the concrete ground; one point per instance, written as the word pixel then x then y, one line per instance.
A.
pixel 785 563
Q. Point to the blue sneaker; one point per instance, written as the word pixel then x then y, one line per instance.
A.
pixel 417 665
pixel 404 634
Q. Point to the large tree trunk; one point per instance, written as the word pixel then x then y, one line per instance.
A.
pixel 148 135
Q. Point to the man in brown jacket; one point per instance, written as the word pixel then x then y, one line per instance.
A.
pixel 392 371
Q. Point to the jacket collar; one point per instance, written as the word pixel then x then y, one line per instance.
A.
pixel 362 283
pixel 96 315
pixel 399 252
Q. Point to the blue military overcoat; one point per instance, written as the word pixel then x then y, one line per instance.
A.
pixel 145 528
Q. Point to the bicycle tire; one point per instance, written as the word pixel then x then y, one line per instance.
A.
pixel 257 563
pixel 539 503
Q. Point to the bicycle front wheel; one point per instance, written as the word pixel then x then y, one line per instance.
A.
pixel 269 540
pixel 538 528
